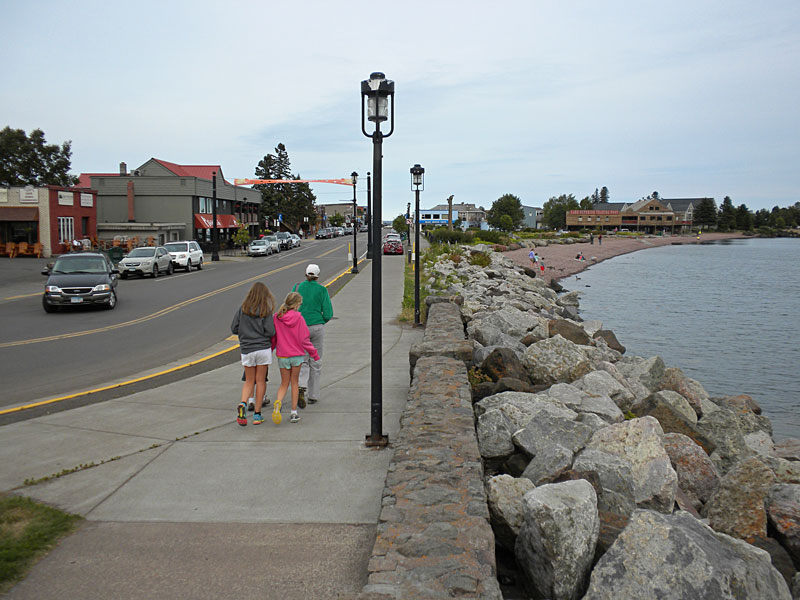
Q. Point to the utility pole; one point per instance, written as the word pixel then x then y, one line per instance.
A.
pixel 450 213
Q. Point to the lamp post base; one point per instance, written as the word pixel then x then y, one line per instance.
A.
pixel 214 257
pixel 376 441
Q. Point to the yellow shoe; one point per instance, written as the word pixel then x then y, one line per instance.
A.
pixel 276 413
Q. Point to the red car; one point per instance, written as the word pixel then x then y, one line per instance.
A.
pixel 391 246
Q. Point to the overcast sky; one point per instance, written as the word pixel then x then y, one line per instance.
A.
pixel 537 99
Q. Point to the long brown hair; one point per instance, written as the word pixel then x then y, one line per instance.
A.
pixel 259 301
pixel 292 302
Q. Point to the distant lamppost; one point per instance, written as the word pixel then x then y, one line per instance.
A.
pixel 354 175
pixel 214 230
pixel 418 183
pixel 369 216
pixel 376 92
pixel 305 220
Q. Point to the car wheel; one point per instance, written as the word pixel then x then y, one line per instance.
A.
pixel 48 308
pixel 169 269
pixel 200 265
pixel 155 271
pixel 112 300
pixel 188 265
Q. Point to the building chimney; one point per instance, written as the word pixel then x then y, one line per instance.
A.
pixel 131 215
pixel 123 168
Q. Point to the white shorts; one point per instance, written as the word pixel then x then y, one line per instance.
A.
pixel 259 357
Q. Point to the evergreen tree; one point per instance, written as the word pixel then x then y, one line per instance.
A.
pixel 726 219
pixel 604 195
pixel 293 201
pixel 744 218
pixel 31 160
pixel 555 210
pixel 507 204
pixel 761 218
pixel 596 196
pixel 705 215
pixel 586 203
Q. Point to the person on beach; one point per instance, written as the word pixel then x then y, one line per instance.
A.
pixel 541 266
pixel 532 257
pixel 254 325
pixel 292 342
pixel 317 310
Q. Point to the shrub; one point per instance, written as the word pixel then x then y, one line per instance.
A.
pixel 493 237
pixel 442 235
pixel 480 259
pixel 477 376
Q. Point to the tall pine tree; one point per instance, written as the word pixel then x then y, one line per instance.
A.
pixel 293 201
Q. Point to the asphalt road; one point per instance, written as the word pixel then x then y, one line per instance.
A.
pixel 156 321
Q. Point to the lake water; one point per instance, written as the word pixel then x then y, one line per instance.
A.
pixel 727 313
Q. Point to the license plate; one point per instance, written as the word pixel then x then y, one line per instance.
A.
pixel 131 268
pixel 76 300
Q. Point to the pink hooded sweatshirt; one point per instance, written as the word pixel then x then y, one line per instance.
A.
pixel 291 336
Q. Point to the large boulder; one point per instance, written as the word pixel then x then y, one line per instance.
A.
pixel 548 464
pixel 788 449
pixel 747 412
pixel 505 507
pixel 737 508
pixel 494 436
pixel 548 430
pixel 519 407
pixel 722 428
pixel 569 331
pixel 555 360
pixel 583 402
pixel 512 321
pixel 556 544
pixel 675 557
pixel 489 335
pixel 697 475
pixel 503 362
pixel 783 508
pixel 640 443
pixel 692 390
pixel 647 371
pixel 675 415
pixel 609 338
pixel 602 383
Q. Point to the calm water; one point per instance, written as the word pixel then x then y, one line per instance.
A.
pixel 726 313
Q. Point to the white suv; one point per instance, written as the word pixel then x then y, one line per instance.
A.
pixel 185 255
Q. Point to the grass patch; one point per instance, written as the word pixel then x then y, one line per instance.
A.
pixel 28 530
pixel 407 311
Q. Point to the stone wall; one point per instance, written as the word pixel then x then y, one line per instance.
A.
pixel 434 537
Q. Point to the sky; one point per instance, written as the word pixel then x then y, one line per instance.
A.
pixel 537 99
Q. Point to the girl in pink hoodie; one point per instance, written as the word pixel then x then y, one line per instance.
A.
pixel 290 344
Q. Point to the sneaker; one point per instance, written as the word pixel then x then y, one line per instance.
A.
pixel 276 413
pixel 301 397
pixel 251 405
pixel 312 400
pixel 258 419
pixel 266 400
pixel 241 414
pixel 295 418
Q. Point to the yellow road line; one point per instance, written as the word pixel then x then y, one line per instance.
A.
pixel 146 377
pixel 21 296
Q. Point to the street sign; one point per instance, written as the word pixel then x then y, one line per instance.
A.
pixel 409 221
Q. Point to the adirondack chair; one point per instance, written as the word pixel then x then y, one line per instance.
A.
pixel 24 250
pixel 10 248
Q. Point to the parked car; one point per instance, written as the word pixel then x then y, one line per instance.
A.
pixel 272 240
pixel 285 240
pixel 148 260
pixel 185 255
pixel 363 228
pixel 339 231
pixel 348 230
pixel 392 245
pixel 393 236
pixel 79 279
pixel 295 240
pixel 259 248
pixel 325 233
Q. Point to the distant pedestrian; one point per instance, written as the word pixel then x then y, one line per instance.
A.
pixel 600 239
pixel 292 342
pixel 254 326
pixel 591 239
pixel 316 310
pixel 532 257
pixel 541 266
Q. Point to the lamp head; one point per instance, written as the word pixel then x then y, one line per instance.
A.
pixel 417 176
pixel 354 177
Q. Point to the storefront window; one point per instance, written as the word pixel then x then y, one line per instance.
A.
pixel 66 229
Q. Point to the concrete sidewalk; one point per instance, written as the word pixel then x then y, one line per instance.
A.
pixel 188 504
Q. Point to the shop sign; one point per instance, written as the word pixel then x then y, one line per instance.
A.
pixel 28 194
pixel 86 200
pixel 65 198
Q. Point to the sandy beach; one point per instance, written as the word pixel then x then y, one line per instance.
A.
pixel 559 259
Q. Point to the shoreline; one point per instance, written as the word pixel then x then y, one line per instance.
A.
pixel 560 262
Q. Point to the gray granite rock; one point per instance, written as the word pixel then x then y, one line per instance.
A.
pixel 576 399
pixel 548 464
pixel 722 428
pixel 555 360
pixel 760 442
pixel 640 442
pixel 569 331
pixel 609 338
pixel 602 383
pixel 494 435
pixel 675 415
pixel 783 508
pixel 676 557
pixel 556 544
pixel 615 475
pixel 505 506
pixel 547 430
pixel 692 390
pixel 697 475
pixel 647 371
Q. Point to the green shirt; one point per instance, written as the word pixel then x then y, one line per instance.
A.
pixel 316 308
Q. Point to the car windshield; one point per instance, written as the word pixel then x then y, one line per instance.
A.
pixel 258 243
pixel 176 247
pixel 141 252
pixel 271 238
pixel 392 236
pixel 81 264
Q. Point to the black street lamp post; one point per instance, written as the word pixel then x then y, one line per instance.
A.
pixel 418 181
pixel 369 216
pixel 214 230
pixel 354 175
pixel 376 92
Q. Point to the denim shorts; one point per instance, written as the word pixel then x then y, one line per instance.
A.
pixel 259 357
pixel 291 361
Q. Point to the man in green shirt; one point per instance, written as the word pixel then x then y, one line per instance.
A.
pixel 316 310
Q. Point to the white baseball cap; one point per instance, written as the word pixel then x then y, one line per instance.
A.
pixel 313 270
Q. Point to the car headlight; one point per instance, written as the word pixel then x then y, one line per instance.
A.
pixel 103 287
pixel 181 255
pixel 52 289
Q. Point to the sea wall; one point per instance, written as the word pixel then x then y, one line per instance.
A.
pixel 597 464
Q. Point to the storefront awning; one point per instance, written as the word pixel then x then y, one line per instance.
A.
pixel 206 221
pixel 19 213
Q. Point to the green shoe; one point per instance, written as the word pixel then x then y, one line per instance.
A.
pixel 301 397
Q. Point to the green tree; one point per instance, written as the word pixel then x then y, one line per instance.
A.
pixel 507 204
pixel 761 218
pixel 726 219
pixel 596 196
pixel 587 203
pixel 241 238
pixel 506 224
pixel 399 224
pixel 744 218
pixel 294 201
pixel 30 160
pixel 705 215
pixel 555 210
pixel 336 220
pixel 604 196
